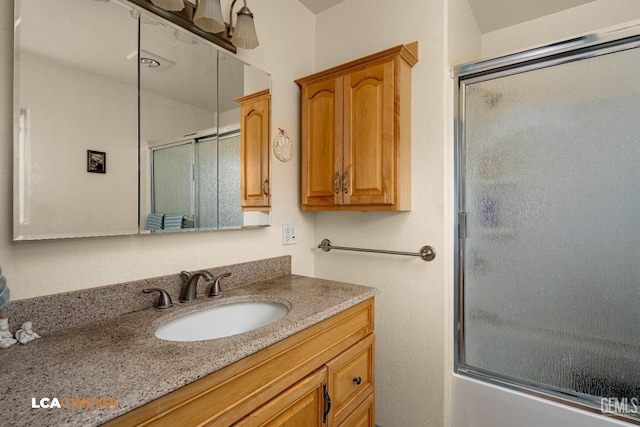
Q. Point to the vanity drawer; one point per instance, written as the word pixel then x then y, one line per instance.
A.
pixel 351 377
pixel 363 416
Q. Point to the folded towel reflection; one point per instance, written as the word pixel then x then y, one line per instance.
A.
pixel 155 221
pixel 173 222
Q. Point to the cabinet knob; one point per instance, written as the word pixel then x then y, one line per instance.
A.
pixel 336 183
pixel 357 380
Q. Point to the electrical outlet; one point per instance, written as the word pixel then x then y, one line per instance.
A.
pixel 288 234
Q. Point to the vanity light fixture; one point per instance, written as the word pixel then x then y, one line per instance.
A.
pixel 204 17
pixel 244 34
pixel 209 16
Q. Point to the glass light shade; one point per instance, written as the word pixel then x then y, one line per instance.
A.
pixel 209 16
pixel 169 4
pixel 244 35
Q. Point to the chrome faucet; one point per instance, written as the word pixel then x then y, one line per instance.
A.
pixel 216 292
pixel 191 285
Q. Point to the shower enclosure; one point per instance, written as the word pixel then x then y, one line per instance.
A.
pixel 548 219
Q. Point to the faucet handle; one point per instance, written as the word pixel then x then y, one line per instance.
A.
pixel 216 291
pixel 164 302
pixel 185 275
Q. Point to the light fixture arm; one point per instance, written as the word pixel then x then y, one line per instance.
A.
pixel 230 26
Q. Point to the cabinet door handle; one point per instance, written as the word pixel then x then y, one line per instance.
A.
pixel 327 400
pixel 336 183
pixel 265 187
pixel 357 380
pixel 344 182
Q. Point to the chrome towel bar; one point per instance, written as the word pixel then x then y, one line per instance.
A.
pixel 427 253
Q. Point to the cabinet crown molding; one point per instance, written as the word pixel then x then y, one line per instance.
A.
pixel 407 52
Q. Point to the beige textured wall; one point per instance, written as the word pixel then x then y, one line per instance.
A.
pixel 411 309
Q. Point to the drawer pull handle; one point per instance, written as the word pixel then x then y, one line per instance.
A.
pixel 357 380
pixel 345 177
pixel 327 399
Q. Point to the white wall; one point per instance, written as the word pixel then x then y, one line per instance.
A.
pixel 47 267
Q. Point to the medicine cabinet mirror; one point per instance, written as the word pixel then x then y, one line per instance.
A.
pixel 77 94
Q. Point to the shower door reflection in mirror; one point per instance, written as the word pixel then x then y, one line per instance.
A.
pixel 188 103
pixel 196 184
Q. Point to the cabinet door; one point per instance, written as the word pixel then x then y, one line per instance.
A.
pixel 321 134
pixel 302 405
pixel 254 150
pixel 369 135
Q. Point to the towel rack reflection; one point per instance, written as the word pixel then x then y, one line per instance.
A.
pixel 427 253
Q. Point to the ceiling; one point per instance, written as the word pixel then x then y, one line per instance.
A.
pixel 317 6
pixel 491 15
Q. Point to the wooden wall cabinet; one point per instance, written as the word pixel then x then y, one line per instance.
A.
pixel 356 133
pixel 255 112
pixel 322 376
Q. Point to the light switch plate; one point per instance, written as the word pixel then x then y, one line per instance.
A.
pixel 288 234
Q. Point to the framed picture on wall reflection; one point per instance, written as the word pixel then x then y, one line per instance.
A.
pixel 96 161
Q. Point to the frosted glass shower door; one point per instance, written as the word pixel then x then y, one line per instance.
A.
pixel 550 264
pixel 206 153
pixel 229 189
pixel 173 180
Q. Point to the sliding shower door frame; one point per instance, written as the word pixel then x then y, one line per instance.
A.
pixel 575 49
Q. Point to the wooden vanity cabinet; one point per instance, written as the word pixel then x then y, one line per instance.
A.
pixel 289 383
pixel 356 134
pixel 255 112
pixel 336 395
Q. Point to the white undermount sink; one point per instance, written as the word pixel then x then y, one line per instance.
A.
pixel 221 321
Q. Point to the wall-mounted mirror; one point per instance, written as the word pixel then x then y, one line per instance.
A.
pixel 75 92
pixel 190 133
pixel 76 149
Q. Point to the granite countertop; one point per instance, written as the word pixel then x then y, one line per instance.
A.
pixel 120 360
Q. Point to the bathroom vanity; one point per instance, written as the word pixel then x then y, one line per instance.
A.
pixel 114 370
pixel 323 375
